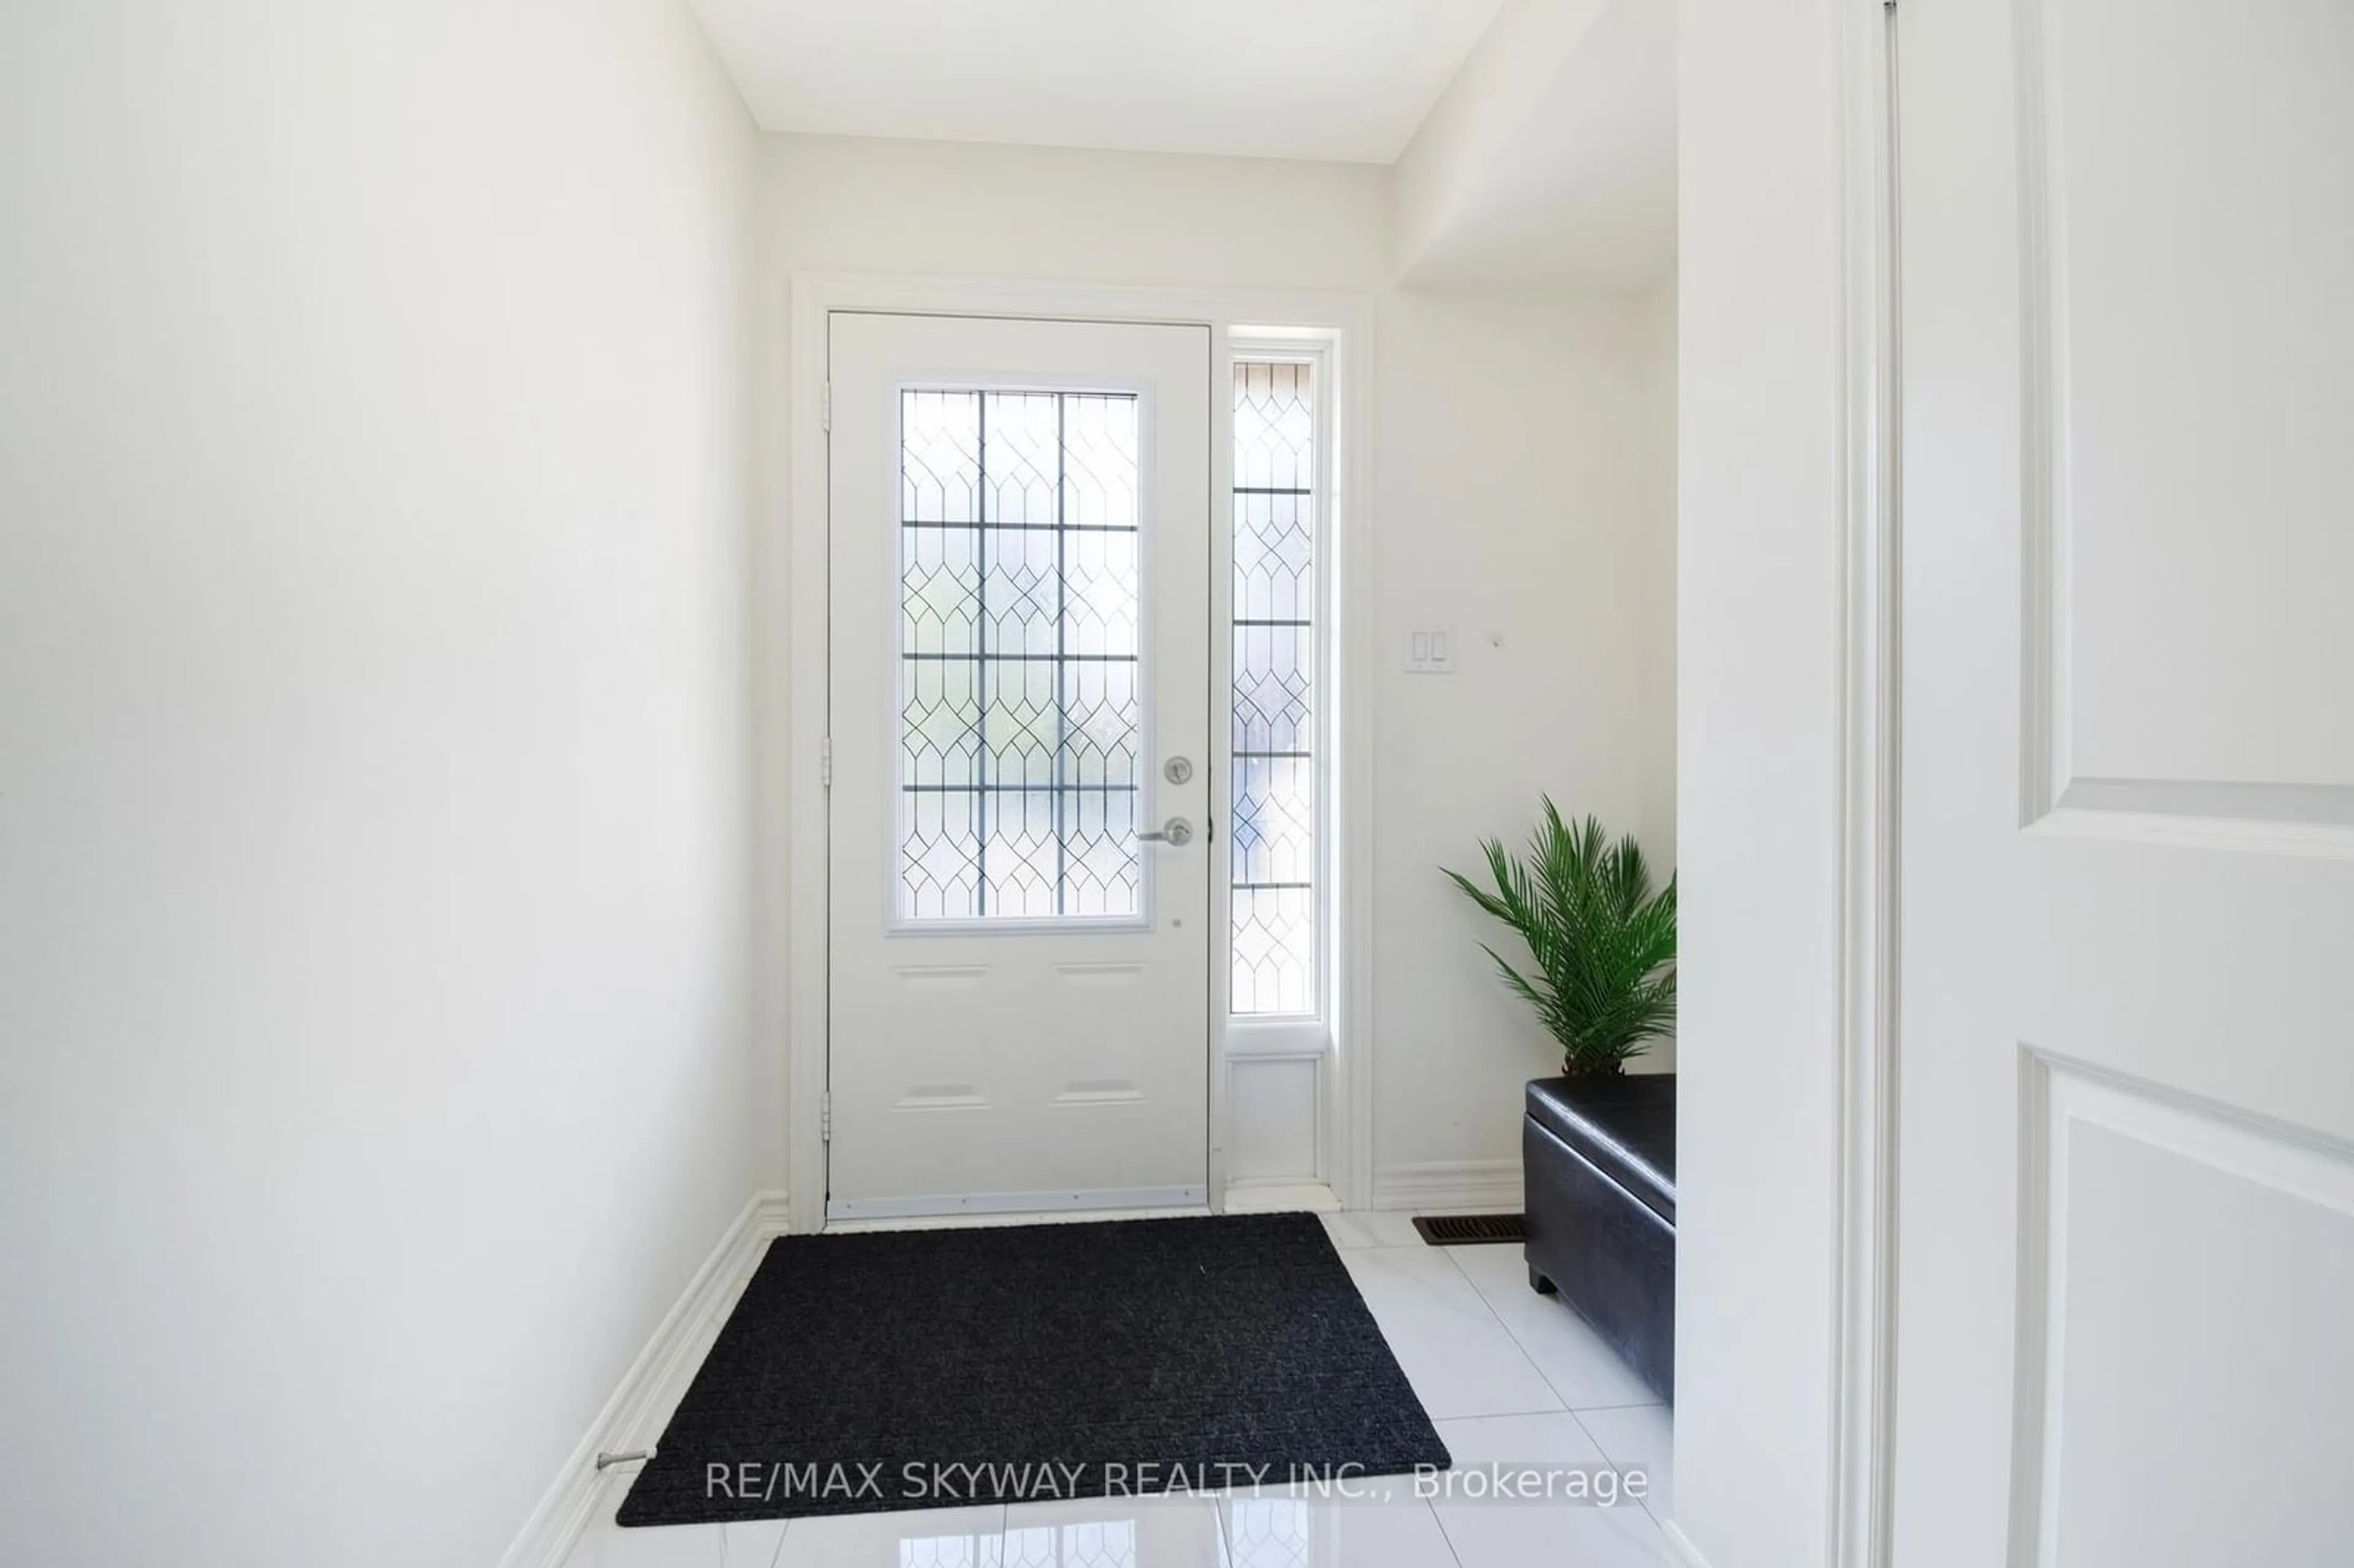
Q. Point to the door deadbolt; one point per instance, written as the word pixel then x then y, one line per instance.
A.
pixel 1178 770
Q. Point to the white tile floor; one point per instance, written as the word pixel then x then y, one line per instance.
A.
pixel 1508 1376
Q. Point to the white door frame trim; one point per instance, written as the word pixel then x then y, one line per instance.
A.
pixel 1864 1175
pixel 1348 318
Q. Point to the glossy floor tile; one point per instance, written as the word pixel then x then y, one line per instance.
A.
pixel 1111 1532
pixel 1371 1228
pixel 929 1538
pixel 1641 1435
pixel 606 1545
pixel 1460 1358
pixel 1298 1532
pixel 1584 1371
pixel 1487 1532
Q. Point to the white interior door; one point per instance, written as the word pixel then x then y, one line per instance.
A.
pixel 2126 1249
pixel 1019 670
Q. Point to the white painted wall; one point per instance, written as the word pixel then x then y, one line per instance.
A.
pixel 865 204
pixel 1550 162
pixel 1520 505
pixel 1521 487
pixel 373 805
pixel 859 204
pixel 1656 360
pixel 1478 121
pixel 1759 677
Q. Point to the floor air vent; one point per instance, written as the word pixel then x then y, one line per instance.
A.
pixel 1470 1230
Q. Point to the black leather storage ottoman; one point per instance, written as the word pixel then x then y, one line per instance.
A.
pixel 1599 1160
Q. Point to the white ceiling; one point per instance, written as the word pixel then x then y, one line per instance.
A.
pixel 1344 79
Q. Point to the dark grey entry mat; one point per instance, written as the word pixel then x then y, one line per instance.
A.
pixel 934 1368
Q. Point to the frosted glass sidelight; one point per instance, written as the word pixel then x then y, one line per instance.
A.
pixel 1274 794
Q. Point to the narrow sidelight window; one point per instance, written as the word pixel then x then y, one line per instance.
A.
pixel 1275 777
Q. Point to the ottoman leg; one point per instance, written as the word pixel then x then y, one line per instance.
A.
pixel 1539 1283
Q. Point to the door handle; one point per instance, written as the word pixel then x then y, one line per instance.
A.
pixel 1176 832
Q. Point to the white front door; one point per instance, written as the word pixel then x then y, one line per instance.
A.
pixel 1020 674
pixel 2124 1317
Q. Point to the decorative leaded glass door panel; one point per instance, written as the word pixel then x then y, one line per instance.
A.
pixel 1019 942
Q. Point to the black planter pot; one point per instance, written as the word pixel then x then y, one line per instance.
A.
pixel 1598 1156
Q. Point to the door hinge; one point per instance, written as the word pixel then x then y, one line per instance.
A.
pixel 826 406
pixel 825 1117
pixel 825 763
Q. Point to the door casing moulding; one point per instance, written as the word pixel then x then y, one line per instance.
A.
pixel 1864 1174
pixel 1346 319
pixel 642 1402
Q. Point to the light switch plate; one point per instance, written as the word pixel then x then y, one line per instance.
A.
pixel 1430 651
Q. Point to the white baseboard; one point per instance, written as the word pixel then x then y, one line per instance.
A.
pixel 1686 1552
pixel 651 1389
pixel 1449 1184
pixel 1281 1195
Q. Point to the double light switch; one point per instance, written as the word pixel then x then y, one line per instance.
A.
pixel 1430 651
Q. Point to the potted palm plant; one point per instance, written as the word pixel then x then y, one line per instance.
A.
pixel 1597 1148
pixel 1601 942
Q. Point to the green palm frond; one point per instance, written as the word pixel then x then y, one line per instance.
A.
pixel 1601 944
